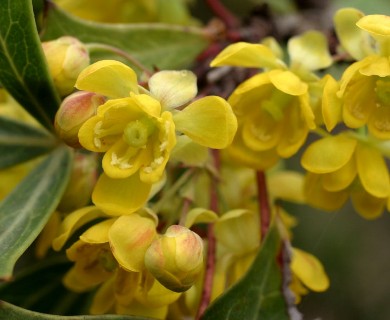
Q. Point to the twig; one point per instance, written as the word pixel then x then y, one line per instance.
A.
pixel 262 194
pixel 223 13
pixel 119 52
pixel 211 246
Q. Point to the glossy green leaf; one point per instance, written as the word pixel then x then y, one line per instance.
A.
pixel 11 312
pixel 154 45
pixel 20 142
pixel 24 212
pixel 258 294
pixel 23 70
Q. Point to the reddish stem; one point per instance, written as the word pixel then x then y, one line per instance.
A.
pixel 262 194
pixel 223 13
pixel 211 247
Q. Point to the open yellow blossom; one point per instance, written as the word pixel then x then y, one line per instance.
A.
pixel 274 108
pixel 340 166
pixel 136 128
pixel 365 85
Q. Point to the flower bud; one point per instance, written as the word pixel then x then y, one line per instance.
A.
pixel 82 180
pixel 73 112
pixel 176 258
pixel 66 57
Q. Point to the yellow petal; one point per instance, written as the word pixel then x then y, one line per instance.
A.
pixel 260 160
pixel 120 196
pixel 98 233
pixel 340 179
pixel 104 298
pixel 372 171
pixel 368 206
pixel 331 103
pixel 287 185
pixel 353 39
pixel 159 150
pixel 173 88
pixel 378 67
pixel 238 230
pixel 359 100
pixel 379 123
pixel 158 295
pixel 89 270
pixel 318 197
pixel 328 154
pixel 108 77
pixel 208 121
pixel 309 51
pixel 261 131
pixel 273 44
pixel 294 133
pixel 309 270
pixel 147 104
pixel 121 160
pixel 288 82
pixel 199 215
pixel 375 24
pixel 130 236
pixel 74 221
pixel 244 54
pixel 247 96
pixel 49 232
pixel 306 110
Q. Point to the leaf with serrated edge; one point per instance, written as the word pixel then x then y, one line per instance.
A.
pixel 24 212
pixel 20 142
pixel 153 44
pixel 11 312
pixel 23 70
pixel 258 294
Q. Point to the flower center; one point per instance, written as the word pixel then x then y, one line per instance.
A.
pixel 382 91
pixel 137 133
pixel 276 103
pixel 107 260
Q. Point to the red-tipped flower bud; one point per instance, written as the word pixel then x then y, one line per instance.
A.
pixel 73 112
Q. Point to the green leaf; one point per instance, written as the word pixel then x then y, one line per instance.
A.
pixel 11 312
pixel 258 294
pixel 154 45
pixel 23 70
pixel 20 142
pixel 24 212
pixel 39 287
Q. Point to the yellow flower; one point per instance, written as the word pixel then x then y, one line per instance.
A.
pixel 365 85
pixel 136 128
pixel 110 254
pixel 66 58
pixel 340 166
pixel 238 239
pixel 274 108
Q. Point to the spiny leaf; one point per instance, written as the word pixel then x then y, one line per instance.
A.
pixel 11 312
pixel 154 45
pixel 24 212
pixel 258 294
pixel 20 142
pixel 23 70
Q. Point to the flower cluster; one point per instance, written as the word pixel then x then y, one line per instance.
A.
pixel 153 154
